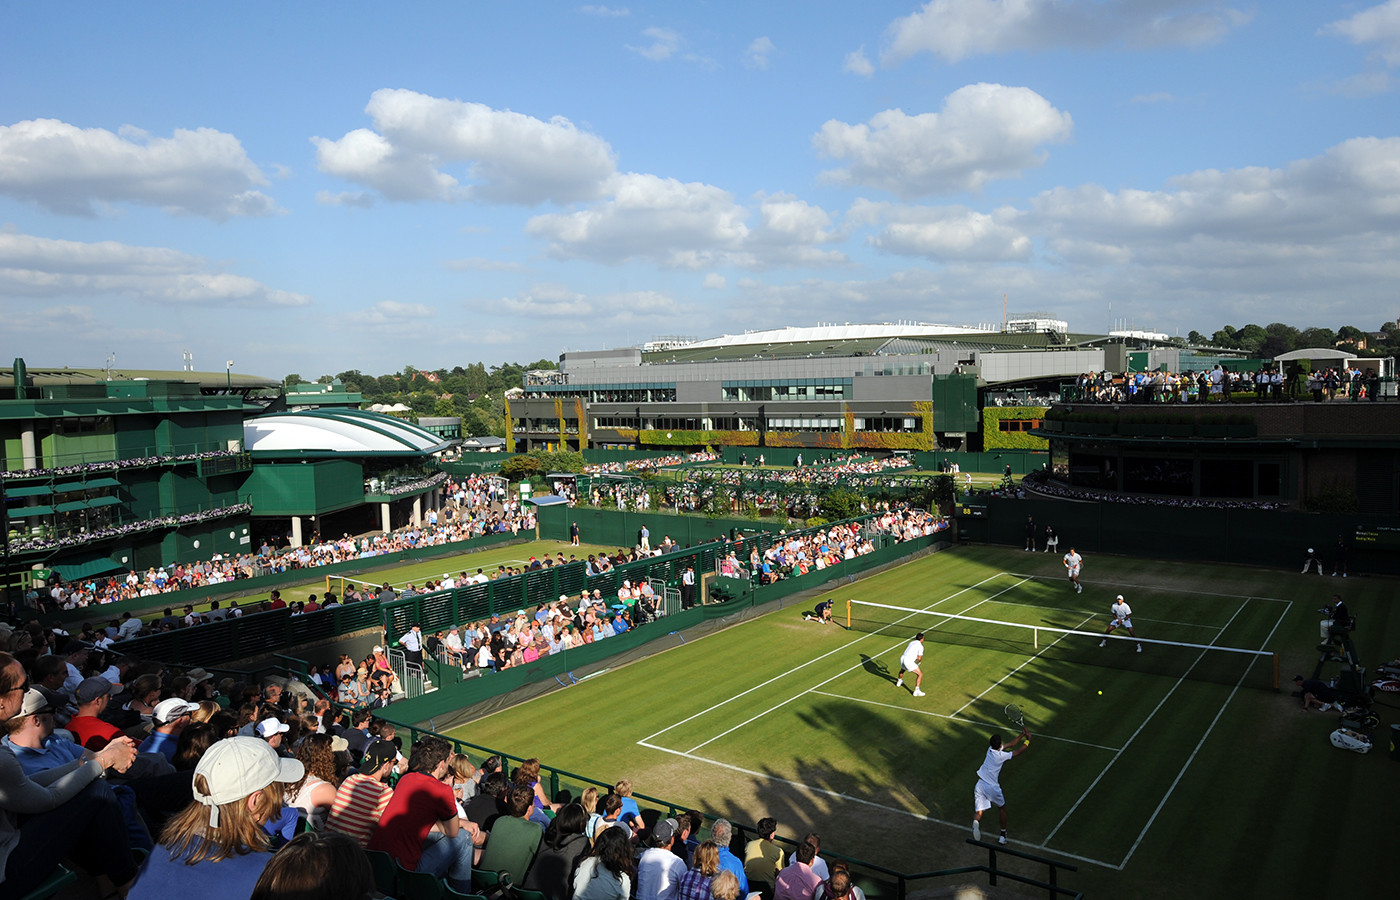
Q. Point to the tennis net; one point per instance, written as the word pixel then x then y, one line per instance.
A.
pixel 1173 659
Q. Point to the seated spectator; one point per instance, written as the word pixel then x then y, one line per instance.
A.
pixel 361 799
pixel 724 886
pixel 563 845
pixel 87 727
pixel 514 837
pixel 317 866
pixel 695 883
pixel 217 848
pixel 488 804
pixel 317 787
pixel 659 869
pixel 606 873
pixel 798 881
pixel 421 801
pixel 631 814
pixel 61 815
pixel 763 858
pixel 722 833
pixel 839 886
pixel 528 775
pixel 169 718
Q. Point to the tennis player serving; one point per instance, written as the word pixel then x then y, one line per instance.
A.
pixel 988 793
pixel 1122 618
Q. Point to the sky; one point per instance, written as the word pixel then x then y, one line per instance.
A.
pixel 312 188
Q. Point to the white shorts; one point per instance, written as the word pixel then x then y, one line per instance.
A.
pixel 1122 623
pixel 1074 571
pixel 910 664
pixel 985 796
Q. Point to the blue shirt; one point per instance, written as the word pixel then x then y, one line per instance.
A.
pixel 55 752
pixel 227 879
pixel 732 863
pixel 159 742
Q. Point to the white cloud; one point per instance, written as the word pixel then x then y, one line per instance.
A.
pixel 759 50
pixel 984 132
pixel 360 199
pixel 392 313
pixel 957 29
pixel 553 301
pixel 714 282
pixel 664 44
pixel 44 267
pixel 950 233
pixel 77 171
pixel 1154 97
pixel 857 63
pixel 1379 25
pixel 509 157
pixel 605 12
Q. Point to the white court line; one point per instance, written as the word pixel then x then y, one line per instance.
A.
pixel 957 718
pixel 1201 743
pixel 1106 615
pixel 1163 590
pixel 765 776
pixel 798 696
pixel 1105 770
pixel 842 649
pixel 1028 661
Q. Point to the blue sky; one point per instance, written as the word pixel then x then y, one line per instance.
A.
pixel 313 188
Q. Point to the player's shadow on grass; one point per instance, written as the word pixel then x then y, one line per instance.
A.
pixel 875 667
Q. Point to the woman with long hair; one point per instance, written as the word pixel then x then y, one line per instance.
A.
pixel 695 884
pixel 606 873
pixel 317 784
pixel 564 844
pixel 529 775
pixel 317 866
pixel 216 848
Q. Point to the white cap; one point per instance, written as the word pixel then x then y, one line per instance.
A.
pixel 236 767
pixel 378 649
pixel 272 725
pixel 168 711
pixel 1120 596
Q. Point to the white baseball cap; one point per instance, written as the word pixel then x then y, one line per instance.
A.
pixel 235 767
pixel 272 725
pixel 1120 596
pixel 168 711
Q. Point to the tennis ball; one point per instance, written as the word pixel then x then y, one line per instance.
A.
pixel 1100 693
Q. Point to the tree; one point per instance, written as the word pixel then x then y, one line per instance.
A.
pixel 1350 333
pixel 293 379
pixel 1251 338
pixel 1196 339
pixel 1316 337
pixel 444 407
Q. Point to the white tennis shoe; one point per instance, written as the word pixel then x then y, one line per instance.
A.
pixel 976 830
pixel 918 693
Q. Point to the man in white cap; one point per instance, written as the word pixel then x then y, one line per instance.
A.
pixel 217 848
pixel 168 719
pixel 271 730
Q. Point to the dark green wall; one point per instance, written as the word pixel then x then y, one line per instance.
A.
pixel 305 488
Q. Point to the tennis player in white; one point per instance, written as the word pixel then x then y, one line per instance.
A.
pixel 1122 618
pixel 987 793
pixel 909 662
pixel 1074 563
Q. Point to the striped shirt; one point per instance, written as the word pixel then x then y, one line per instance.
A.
pixel 359 803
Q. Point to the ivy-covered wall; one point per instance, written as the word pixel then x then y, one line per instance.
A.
pixel 993 438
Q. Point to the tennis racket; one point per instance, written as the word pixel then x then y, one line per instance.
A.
pixel 1014 714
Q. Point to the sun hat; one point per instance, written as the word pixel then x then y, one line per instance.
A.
pixel 236 767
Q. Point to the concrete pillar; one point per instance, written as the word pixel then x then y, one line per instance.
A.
pixel 384 517
pixel 27 449
pixel 418 511
pixel 296 531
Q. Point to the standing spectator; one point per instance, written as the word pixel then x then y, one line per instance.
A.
pixel 573 533
pixel 217 848
pixel 688 587
pixel 421 801
pixel 412 644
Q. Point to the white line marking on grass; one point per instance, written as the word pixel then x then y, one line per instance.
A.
pixel 1030 660
pixel 1013 603
pixel 776 706
pixel 1201 743
pixel 1105 770
pixel 1159 590
pixel 847 797
pixel 843 648
pixel 957 718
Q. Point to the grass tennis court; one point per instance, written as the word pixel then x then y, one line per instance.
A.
pixel 1188 760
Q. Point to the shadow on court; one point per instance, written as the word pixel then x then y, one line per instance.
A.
pixel 875 667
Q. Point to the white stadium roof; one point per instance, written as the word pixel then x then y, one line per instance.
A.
pixel 847 332
pixel 326 432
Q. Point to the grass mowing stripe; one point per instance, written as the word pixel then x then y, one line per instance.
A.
pixel 756 687
pixel 765 776
pixel 852 668
pixel 1135 616
pixel 1132 584
pixel 1201 743
pixel 1104 771
pixel 1027 662
pixel 954 717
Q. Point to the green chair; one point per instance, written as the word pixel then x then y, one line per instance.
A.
pixel 522 894
pixel 61 878
pixel 384 869
pixel 485 882
pixel 416 885
pixel 448 893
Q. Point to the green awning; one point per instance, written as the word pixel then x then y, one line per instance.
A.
pixel 101 483
pixel 28 490
pixel 66 486
pixel 83 567
pixel 29 512
pixel 71 506
pixel 102 501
